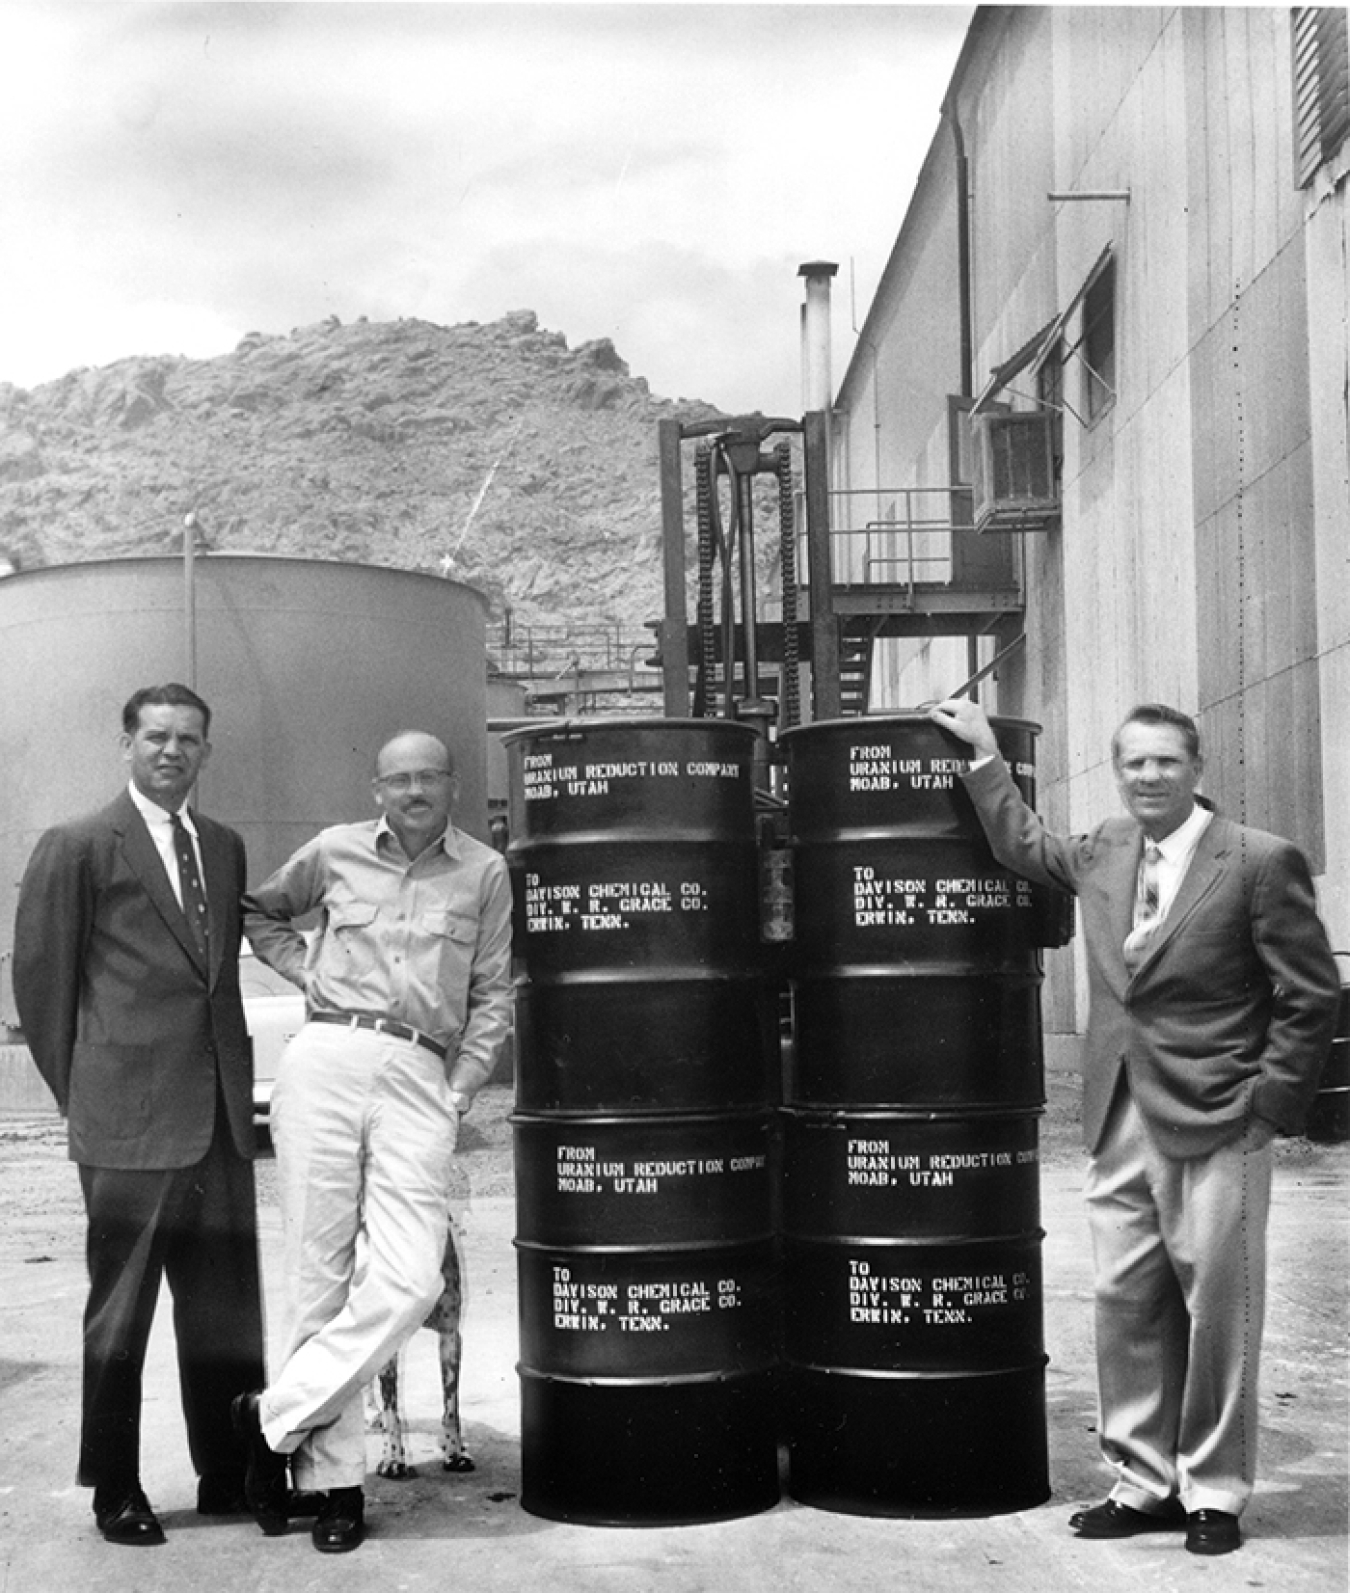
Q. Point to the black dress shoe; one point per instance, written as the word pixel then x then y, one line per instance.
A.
pixel 1114 1520
pixel 265 1485
pixel 126 1517
pixel 219 1495
pixel 1212 1532
pixel 341 1523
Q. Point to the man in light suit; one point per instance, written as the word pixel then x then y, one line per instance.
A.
pixel 1213 997
pixel 127 984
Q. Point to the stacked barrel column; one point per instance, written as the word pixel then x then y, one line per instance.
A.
pixel 913 1342
pixel 645 1181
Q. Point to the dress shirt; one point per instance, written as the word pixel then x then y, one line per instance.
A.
pixel 426 940
pixel 1176 851
pixel 161 833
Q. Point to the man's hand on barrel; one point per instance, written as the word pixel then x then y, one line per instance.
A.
pixel 968 721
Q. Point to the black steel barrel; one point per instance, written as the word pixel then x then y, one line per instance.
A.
pixel 637 895
pixel 913 1311
pixel 645 1175
pixel 913 1341
pixel 917 970
pixel 1329 1116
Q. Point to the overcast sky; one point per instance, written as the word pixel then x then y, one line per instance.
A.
pixel 175 174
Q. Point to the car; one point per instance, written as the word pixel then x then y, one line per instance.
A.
pixel 274 1010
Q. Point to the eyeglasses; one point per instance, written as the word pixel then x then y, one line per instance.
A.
pixel 399 783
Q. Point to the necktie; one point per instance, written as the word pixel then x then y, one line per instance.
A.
pixel 1146 903
pixel 190 881
pixel 1146 907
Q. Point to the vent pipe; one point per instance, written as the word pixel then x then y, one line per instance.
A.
pixel 965 307
pixel 817 378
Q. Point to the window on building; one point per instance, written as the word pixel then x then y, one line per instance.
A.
pixel 1050 376
pixel 1097 345
pixel 1050 392
pixel 1321 86
pixel 959 468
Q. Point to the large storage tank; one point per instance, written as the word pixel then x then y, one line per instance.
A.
pixel 308 667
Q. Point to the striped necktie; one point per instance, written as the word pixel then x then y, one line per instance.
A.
pixel 190 882
pixel 1146 904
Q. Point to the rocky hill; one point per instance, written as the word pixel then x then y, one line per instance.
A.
pixel 492 453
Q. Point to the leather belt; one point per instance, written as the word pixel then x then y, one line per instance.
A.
pixel 366 1020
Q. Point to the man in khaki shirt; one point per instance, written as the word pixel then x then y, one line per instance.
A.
pixel 407 983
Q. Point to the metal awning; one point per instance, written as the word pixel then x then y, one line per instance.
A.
pixel 1034 350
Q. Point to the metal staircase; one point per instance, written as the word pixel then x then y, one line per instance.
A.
pixel 856 640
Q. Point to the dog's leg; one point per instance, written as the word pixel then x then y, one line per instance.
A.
pixel 457 1458
pixel 445 1319
pixel 394 1459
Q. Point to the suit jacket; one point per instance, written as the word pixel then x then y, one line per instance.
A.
pixel 1231 1011
pixel 126 1023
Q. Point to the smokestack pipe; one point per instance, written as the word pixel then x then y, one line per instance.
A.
pixel 949 110
pixel 817 378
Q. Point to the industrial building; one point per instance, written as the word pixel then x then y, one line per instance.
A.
pixel 1095 423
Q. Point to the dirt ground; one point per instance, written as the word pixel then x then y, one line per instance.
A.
pixel 471 1528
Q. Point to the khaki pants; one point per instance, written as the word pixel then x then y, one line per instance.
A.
pixel 365 1133
pixel 1179 1249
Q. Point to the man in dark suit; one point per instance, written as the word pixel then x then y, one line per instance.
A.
pixel 1213 997
pixel 127 985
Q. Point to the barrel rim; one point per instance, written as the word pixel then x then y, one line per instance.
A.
pixel 582 1115
pixel 906 719
pixel 928 972
pixel 832 1243
pixel 593 722
pixel 896 1374
pixel 749 1117
pixel 677 973
pixel 682 1249
pixel 592 1380
pixel 567 841
pixel 980 1111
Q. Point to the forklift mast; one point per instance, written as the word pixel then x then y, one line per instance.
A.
pixel 729 639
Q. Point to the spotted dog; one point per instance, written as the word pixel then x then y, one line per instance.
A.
pixel 383 1400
